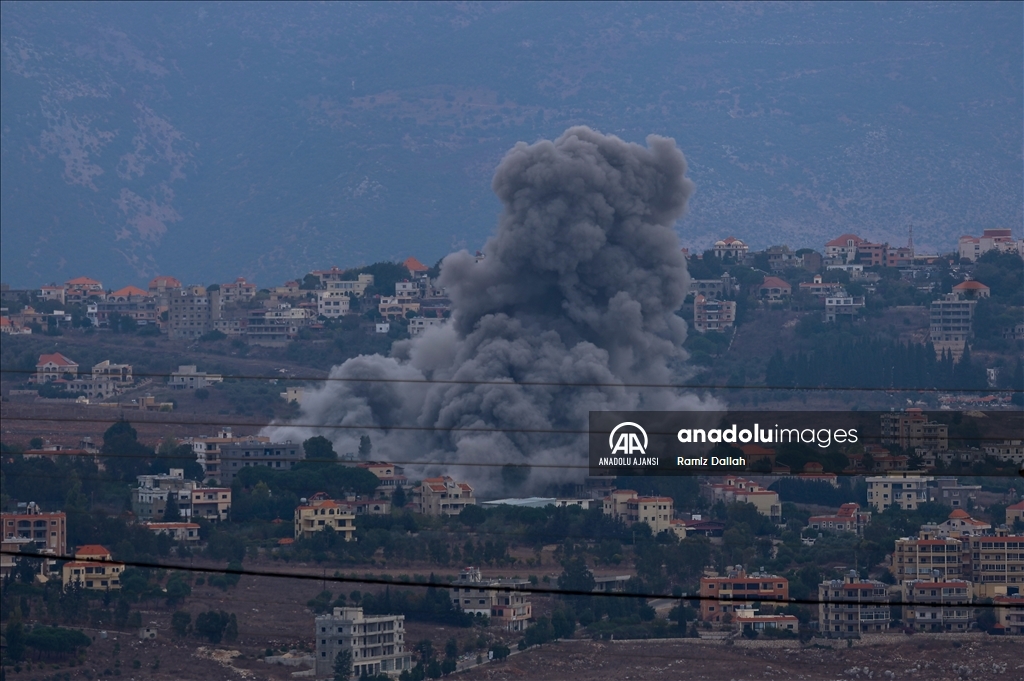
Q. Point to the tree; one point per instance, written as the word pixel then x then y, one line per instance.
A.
pixel 343 665
pixel 319 449
pixel 576 577
pixel 172 513
pixel 365 446
pixel 202 394
pixel 500 651
pixel 181 623
pixel 398 499
pixel 211 625
pixel 15 634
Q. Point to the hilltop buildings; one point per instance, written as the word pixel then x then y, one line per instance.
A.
pixel 495 598
pixel 321 513
pixel 853 606
pixel 376 643
pixel 442 496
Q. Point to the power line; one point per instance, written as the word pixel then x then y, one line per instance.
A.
pixel 377 581
pixel 562 384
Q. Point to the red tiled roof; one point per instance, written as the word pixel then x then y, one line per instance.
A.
pixel 774 282
pixel 129 291
pixel 91 550
pixel 414 265
pixel 959 513
pixel 843 238
pixel 165 282
pixel 970 284
pixel 57 358
pixel 1019 506
pixel 82 281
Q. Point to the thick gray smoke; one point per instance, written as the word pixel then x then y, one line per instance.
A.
pixel 580 284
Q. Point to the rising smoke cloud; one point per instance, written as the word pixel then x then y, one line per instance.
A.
pixel 579 284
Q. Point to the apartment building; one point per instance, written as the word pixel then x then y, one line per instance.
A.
pixel 320 513
pixel 926 555
pixel 950 324
pixel 210 503
pixel 1010 614
pixel 191 311
pixel 906 490
pixel 841 305
pixel 53 367
pixel 150 498
pixel 853 606
pixel 741 490
pixel 237 291
pixel 737 585
pixel 47 531
pixel 238 455
pixel 997 564
pixel 843 248
pixel 391 477
pixel 912 429
pixel 973 247
pixel 1007 451
pixel 497 599
pixel 93 568
pixel 713 315
pixel 356 289
pixel 1015 513
pixel 419 325
pixel 849 518
pixel 628 506
pixel 442 496
pixel 938 604
pixel 376 643
pixel 207 449
pixel 332 304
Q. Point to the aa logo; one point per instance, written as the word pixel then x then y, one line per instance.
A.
pixel 628 441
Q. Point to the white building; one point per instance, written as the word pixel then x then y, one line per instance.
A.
pixel 188 377
pixel 972 247
pixel 332 304
pixel 905 490
pixel 421 324
pixel 376 643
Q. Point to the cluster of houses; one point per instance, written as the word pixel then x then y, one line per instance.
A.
pixel 951 315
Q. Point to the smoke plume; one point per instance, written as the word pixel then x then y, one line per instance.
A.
pixel 579 284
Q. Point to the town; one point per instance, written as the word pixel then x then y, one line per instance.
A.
pixel 149 453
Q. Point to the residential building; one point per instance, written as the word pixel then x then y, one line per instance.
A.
pixel 237 291
pixel 626 505
pixel 239 455
pixel 820 289
pixel 911 429
pixel 737 585
pixel 853 606
pixel 972 290
pixel 843 248
pixel 780 257
pixel 180 532
pixel 951 323
pixel 973 247
pixel 79 289
pixel 841 305
pixel 47 530
pixel 52 292
pixel 498 599
pixel 93 568
pixel 938 604
pixel 408 290
pixel 332 304
pixel 126 303
pixel 266 329
pixel 748 619
pixel 1015 514
pixel 1010 614
pixel 922 556
pixel 376 643
pixel 162 288
pixel 391 477
pixel 419 325
pixel 10 546
pixel 116 373
pixel 997 564
pixel 54 366
pixel 741 490
pixel 355 288
pixel 188 377
pixel 320 513
pixel 207 449
pixel 210 503
pixel 442 496
pixel 415 267
pixel 950 492
pixel 1007 451
pixel 849 518
pixel 906 490
pixel 191 311
pixel 150 498
pixel 773 290
pixel 713 315
pixel 396 308
pixel 712 289
pixel 731 248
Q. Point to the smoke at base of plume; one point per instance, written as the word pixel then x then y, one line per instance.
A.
pixel 579 284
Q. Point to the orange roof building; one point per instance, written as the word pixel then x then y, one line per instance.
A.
pixel 414 266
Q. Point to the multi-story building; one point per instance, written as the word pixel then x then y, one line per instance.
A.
pixel 731 248
pixel 93 568
pixel 911 429
pixel 210 503
pixel 906 490
pixel 843 248
pixel 150 498
pixel 237 291
pixel 849 518
pixel 277 455
pixel 922 556
pixel 376 643
pixel 951 493
pixel 117 373
pixel 396 308
pixel 80 289
pixel 391 477
pixel 191 311
pixel 162 288
pixel 498 599
pixel 626 505
pixel 442 496
pixel 332 304
pixel 951 318
pixel 840 305
pixel 188 377
pixel 1010 613
pixel 180 532
pixel 938 604
pixel 419 325
pixel 1015 514
pixel 713 315
pixel 852 606
pixel 207 449
pixel 741 490
pixel 737 585
pixel 973 247
pixel 43 531
pixel 1007 451
pixel 773 289
pixel 320 513
pixel 712 289
pixel 820 289
pixel 356 289
pixel 53 367
pixel 748 619
pixel 996 564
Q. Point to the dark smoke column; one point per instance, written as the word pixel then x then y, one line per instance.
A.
pixel 579 285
